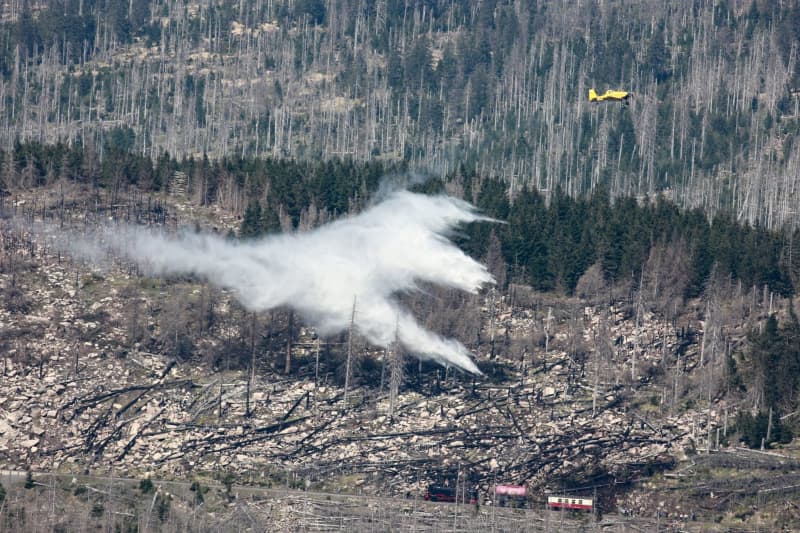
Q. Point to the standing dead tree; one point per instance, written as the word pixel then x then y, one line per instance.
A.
pixel 396 365
pixel 348 363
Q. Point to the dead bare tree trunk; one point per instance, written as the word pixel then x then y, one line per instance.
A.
pixel 251 373
pixel 316 366
pixel 395 374
pixel 383 369
pixel 491 325
pixel 639 309
pixel 349 352
pixel 288 365
pixel 603 355
pixel 219 400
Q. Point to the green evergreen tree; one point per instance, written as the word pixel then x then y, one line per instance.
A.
pixel 269 221
pixel 418 65
pixel 314 9
pixel 775 354
pixel 251 222
pixel 657 58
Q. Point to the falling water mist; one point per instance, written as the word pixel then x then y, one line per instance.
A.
pixel 371 257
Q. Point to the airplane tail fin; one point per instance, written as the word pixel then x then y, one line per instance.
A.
pixel 592 95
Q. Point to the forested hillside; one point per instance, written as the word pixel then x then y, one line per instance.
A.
pixel 498 84
pixel 645 253
pixel 655 333
pixel 548 245
pixel 652 256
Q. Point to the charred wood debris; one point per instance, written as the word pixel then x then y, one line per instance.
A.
pixel 75 396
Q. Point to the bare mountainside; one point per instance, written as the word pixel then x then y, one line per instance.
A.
pixel 599 398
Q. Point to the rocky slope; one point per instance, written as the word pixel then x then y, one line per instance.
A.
pixel 583 395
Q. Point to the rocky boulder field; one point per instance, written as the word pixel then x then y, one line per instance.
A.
pixel 599 399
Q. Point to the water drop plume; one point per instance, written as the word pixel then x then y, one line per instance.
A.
pixel 388 249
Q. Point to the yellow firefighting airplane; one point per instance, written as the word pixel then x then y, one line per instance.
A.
pixel 619 96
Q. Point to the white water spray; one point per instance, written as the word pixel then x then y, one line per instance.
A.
pixel 387 249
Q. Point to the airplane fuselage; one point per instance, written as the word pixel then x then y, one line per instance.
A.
pixel 619 96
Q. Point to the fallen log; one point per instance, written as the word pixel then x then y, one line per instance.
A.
pixel 91 432
pixel 138 433
pixel 305 439
pixel 130 404
pixel 294 406
pixel 235 441
pixel 86 403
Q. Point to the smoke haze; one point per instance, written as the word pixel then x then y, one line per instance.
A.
pixel 371 257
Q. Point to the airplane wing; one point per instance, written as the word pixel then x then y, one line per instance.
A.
pixel 616 95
